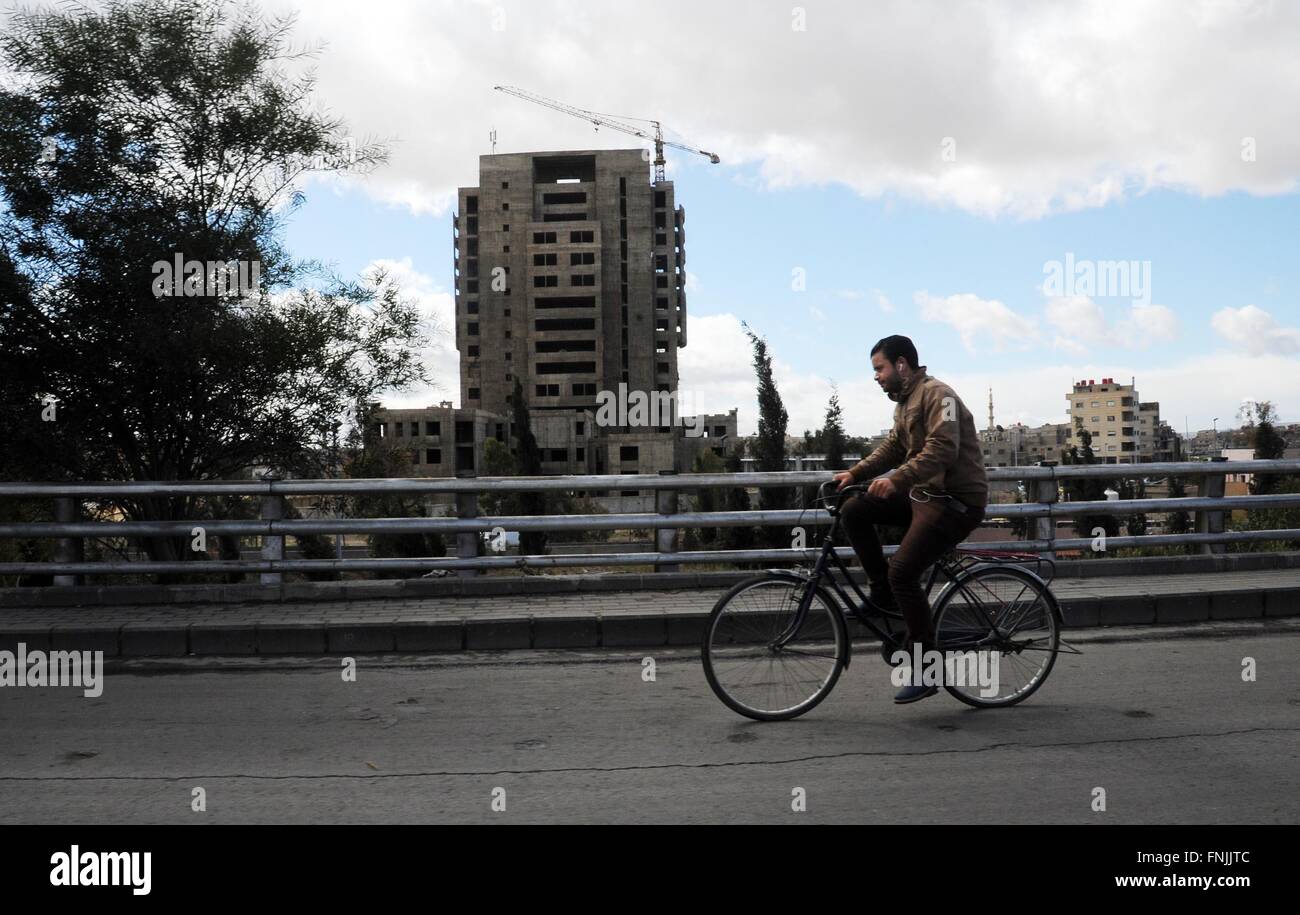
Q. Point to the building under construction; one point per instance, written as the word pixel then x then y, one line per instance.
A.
pixel 570 275
pixel 570 279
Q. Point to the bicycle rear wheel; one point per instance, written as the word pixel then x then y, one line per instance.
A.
pixel 1008 624
pixel 763 662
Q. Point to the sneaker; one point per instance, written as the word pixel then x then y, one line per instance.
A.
pixel 911 693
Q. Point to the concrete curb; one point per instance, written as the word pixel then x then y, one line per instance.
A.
pixel 646 628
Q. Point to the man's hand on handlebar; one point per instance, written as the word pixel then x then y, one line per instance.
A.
pixel 881 487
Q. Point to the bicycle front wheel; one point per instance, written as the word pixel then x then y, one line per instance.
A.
pixel 765 662
pixel 1007 624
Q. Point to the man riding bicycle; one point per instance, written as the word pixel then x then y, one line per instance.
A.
pixel 939 491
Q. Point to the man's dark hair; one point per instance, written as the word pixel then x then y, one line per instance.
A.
pixel 896 346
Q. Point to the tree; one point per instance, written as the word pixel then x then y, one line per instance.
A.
pixel 738 537
pixel 1259 423
pixel 707 499
pixel 371 456
pixel 1134 525
pixel 498 462
pixel 318 546
pixel 769 448
pixel 857 444
pixel 576 503
pixel 1271 519
pixel 1260 427
pixel 831 444
pixel 26 549
pixel 133 134
pixel 1088 489
pixel 528 459
pixel 833 440
pixel 1178 522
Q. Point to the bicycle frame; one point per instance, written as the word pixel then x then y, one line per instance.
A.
pixel 976 612
pixel 863 609
pixel 957 573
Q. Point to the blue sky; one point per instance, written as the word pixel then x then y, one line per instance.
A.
pixel 919 163
pixel 744 242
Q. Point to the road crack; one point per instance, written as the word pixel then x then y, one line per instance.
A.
pixel 822 757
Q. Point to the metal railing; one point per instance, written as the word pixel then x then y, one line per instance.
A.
pixel 1042 482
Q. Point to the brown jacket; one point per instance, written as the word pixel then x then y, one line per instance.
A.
pixel 933 440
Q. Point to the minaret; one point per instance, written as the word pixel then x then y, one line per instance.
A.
pixel 991 427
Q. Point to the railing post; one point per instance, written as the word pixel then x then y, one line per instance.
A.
pixel 1045 527
pixel 68 549
pixel 272 544
pixel 1211 522
pixel 467 542
pixel 666 537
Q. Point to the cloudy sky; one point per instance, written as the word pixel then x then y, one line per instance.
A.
pixel 930 169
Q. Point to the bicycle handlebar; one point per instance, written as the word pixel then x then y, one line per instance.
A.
pixel 841 493
pixel 852 487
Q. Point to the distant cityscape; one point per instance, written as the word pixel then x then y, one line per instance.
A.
pixel 570 281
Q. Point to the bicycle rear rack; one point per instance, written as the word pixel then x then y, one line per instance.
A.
pixel 966 559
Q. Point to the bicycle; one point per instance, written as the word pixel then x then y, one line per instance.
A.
pixel 783 630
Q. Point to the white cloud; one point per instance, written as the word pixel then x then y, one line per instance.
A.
pixel 717 369
pixel 1081 323
pixel 717 373
pixel 1255 330
pixel 883 301
pixel 1147 324
pixel 1079 318
pixel 973 317
pixel 1050 106
pixel 1037 395
pixel 438 310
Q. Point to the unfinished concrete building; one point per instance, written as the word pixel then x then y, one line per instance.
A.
pixel 570 274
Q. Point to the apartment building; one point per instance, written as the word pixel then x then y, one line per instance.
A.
pixel 1124 428
pixel 1018 444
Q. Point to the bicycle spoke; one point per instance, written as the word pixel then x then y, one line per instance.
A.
pixel 1007 607
pixel 807 654
pixel 764 664
pixel 987 597
pixel 1015 625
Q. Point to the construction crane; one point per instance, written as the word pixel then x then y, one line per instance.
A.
pixel 619 124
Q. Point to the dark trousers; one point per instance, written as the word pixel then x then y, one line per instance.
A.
pixel 933 528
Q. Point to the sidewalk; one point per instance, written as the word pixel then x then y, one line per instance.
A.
pixel 563 620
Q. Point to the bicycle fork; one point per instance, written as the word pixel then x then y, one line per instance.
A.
pixel 805 602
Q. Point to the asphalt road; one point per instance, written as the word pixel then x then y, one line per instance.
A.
pixel 1159 719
